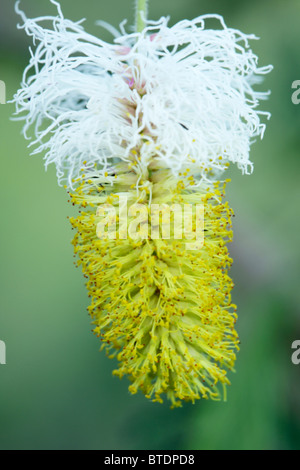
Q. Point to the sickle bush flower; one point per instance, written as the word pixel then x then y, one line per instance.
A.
pixel 156 118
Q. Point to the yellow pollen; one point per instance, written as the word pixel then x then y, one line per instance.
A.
pixel 162 310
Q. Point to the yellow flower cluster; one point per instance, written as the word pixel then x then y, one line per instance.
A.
pixel 163 310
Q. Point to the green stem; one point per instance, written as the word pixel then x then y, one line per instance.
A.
pixel 141 6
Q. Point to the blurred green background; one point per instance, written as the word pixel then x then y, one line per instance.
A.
pixel 57 391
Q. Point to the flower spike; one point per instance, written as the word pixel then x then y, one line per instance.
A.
pixel 153 119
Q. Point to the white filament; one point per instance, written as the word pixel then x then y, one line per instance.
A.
pixel 182 94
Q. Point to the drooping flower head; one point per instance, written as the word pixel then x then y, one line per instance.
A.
pixel 156 116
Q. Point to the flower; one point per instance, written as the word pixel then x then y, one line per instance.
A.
pixel 157 116
pixel 189 86
pixel 164 311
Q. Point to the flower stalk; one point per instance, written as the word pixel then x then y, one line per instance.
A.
pixel 141 14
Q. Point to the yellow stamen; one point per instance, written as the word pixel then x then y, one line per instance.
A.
pixel 164 311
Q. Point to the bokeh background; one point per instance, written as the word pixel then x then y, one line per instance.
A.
pixel 57 391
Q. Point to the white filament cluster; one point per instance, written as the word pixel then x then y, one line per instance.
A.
pixel 182 94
